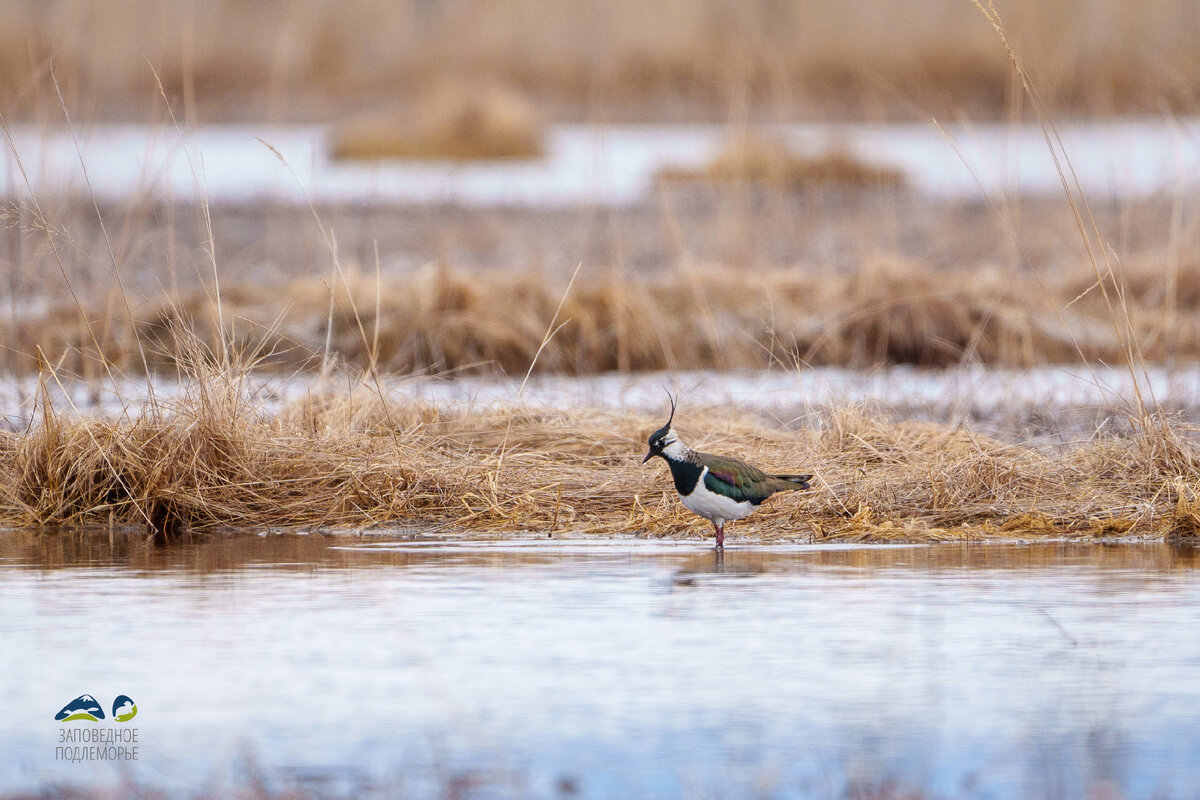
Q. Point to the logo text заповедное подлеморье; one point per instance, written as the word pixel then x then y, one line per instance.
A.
pixel 110 743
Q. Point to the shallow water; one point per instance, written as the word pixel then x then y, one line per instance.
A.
pixel 584 164
pixel 538 668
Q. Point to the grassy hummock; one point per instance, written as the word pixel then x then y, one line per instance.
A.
pixel 757 159
pixel 216 458
pixel 452 123
pixel 890 311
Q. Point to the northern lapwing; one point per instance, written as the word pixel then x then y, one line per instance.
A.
pixel 719 488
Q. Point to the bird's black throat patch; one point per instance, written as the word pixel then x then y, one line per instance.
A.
pixel 686 474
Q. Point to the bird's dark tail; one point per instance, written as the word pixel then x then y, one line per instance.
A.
pixel 799 481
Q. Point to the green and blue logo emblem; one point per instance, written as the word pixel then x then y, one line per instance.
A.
pixel 83 707
pixel 124 709
pixel 86 708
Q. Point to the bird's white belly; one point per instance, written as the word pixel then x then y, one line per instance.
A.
pixel 712 506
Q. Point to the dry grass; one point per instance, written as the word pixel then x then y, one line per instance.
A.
pixel 888 312
pixel 453 123
pixel 757 159
pixel 676 58
pixel 1185 518
pixel 214 458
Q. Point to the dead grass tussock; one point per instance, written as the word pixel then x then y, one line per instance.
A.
pixel 759 159
pixel 889 312
pixel 212 459
pixel 1184 523
pixel 185 464
pixel 452 123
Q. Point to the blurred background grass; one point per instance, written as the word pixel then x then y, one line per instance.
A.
pixel 316 60
pixel 848 266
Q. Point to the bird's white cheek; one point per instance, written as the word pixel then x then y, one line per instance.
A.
pixel 674 450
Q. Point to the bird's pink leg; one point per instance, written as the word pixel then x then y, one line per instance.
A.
pixel 720 536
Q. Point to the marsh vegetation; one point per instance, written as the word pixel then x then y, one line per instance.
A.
pixel 216 458
pixel 286 59
pixel 765 258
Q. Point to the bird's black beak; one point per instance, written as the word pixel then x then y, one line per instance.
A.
pixel 649 456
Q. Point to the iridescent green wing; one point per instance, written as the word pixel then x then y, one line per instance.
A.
pixel 736 479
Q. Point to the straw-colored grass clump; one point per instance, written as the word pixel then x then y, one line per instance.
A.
pixel 453 123
pixel 214 458
pixel 888 312
pixel 762 160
